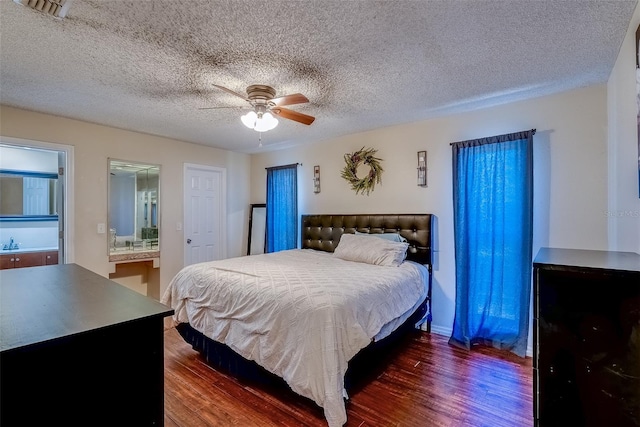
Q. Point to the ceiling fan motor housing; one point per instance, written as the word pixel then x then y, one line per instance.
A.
pixel 260 93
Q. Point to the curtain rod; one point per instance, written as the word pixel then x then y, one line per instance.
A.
pixel 284 166
pixel 497 138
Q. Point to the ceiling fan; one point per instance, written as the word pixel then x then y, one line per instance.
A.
pixel 264 105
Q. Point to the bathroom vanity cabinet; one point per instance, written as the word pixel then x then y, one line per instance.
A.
pixel 28 259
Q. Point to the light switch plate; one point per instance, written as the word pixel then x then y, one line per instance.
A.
pixel 102 228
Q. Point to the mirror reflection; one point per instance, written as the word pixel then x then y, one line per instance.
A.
pixel 133 206
pixel 27 194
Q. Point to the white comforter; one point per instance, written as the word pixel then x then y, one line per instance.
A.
pixel 300 314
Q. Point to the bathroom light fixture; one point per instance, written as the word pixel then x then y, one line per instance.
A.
pixel 260 120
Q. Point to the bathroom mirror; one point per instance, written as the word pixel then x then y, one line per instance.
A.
pixel 257 229
pixel 134 207
pixel 28 195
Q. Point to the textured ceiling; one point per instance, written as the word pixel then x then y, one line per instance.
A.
pixel 150 65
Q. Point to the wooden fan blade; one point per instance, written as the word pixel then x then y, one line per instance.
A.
pixel 231 92
pixel 293 115
pixel 294 98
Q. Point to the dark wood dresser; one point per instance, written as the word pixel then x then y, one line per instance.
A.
pixel 586 338
pixel 77 349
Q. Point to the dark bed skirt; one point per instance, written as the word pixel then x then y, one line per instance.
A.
pixel 364 365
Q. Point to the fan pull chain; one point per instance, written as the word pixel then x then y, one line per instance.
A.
pixel 260 139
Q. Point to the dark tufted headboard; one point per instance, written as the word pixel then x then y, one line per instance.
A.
pixel 322 232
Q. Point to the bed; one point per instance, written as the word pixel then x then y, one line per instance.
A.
pixel 239 312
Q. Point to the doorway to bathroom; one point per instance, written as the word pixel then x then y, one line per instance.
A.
pixel 36 200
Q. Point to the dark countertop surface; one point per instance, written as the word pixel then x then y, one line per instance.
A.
pixel 38 304
pixel 582 258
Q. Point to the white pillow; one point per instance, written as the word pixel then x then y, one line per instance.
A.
pixel 370 251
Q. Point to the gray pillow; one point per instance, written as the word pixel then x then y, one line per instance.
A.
pixel 362 248
pixel 394 237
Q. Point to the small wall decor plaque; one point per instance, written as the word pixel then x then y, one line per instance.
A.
pixel 366 157
pixel 316 179
pixel 422 168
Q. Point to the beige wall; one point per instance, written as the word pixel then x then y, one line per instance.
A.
pixel 94 144
pixel 570 170
pixel 624 202
pixel 571 177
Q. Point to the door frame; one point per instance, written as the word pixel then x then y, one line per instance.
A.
pixel 67 248
pixel 222 208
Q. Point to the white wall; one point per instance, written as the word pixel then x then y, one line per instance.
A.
pixel 570 169
pixel 624 202
pixel 94 144
pixel 38 235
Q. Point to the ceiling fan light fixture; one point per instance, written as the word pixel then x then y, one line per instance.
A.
pixel 266 122
pixel 249 119
pixel 264 106
pixel 259 122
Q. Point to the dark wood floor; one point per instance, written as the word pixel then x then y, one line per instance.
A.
pixel 428 383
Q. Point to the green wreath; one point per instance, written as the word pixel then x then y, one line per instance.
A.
pixel 353 160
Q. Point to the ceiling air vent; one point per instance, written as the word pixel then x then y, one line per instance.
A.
pixel 55 8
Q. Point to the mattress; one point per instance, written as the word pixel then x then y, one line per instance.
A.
pixel 301 314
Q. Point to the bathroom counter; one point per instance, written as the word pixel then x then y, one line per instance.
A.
pixel 128 256
pixel 24 250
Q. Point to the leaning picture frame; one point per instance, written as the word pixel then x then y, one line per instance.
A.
pixel 637 55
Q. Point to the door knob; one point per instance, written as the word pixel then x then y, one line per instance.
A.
pixel 188 241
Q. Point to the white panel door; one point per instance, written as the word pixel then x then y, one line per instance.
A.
pixel 204 213
pixel 35 197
